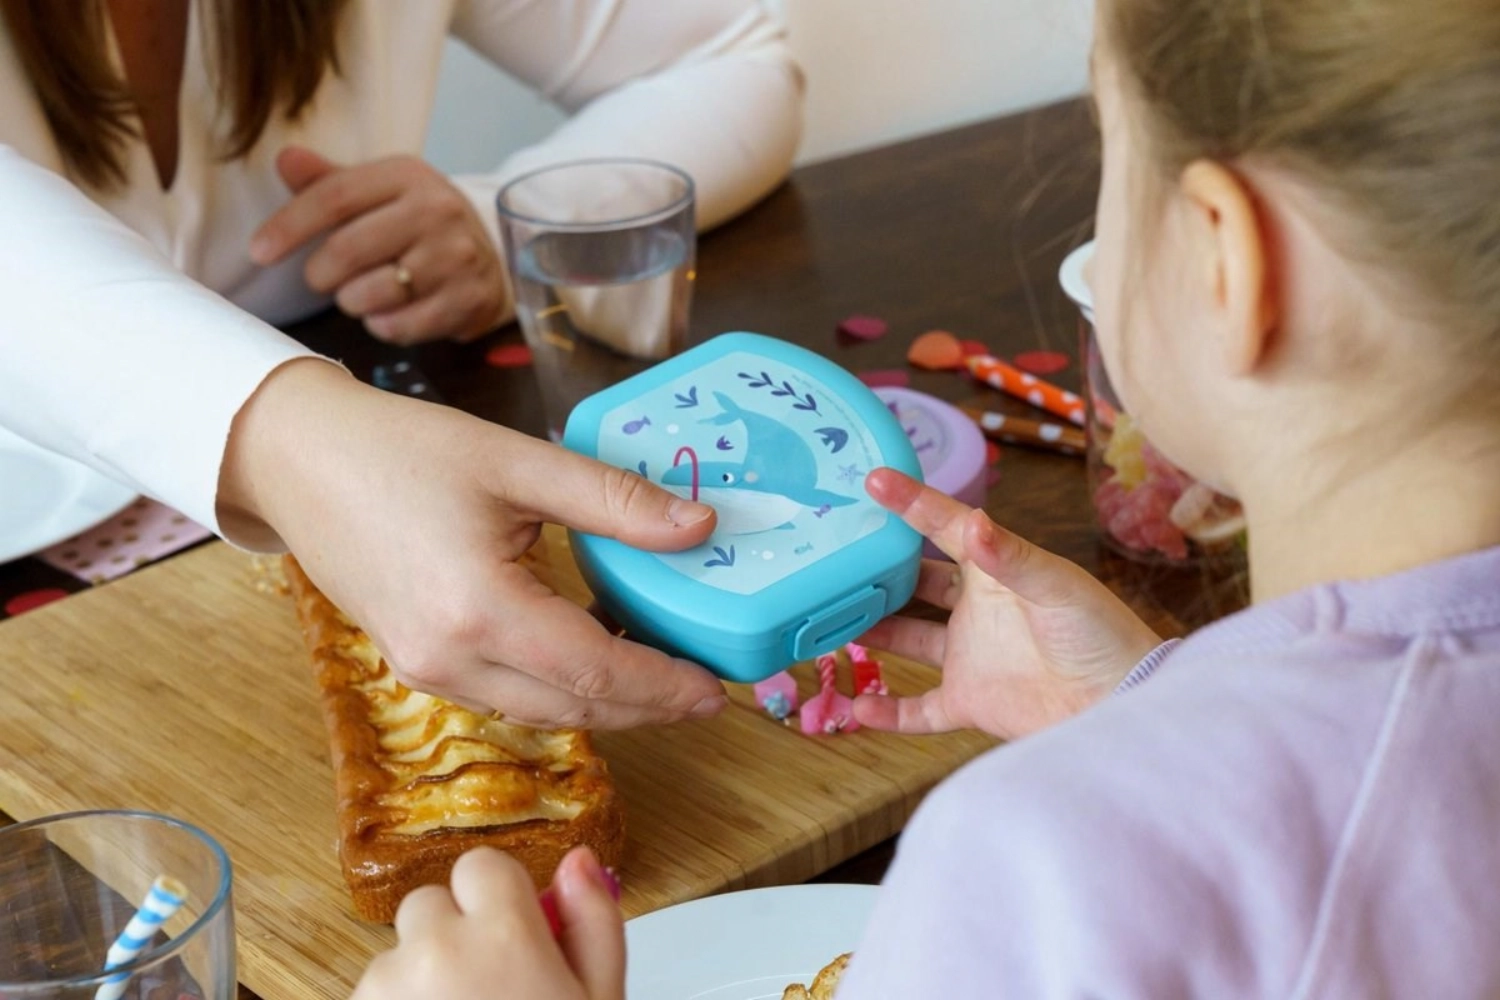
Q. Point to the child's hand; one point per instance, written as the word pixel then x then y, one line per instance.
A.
pixel 1033 639
pixel 488 937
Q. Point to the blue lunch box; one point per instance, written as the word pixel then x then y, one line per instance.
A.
pixel 778 440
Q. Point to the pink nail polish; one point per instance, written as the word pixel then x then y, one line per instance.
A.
pixel 548 899
pixel 610 881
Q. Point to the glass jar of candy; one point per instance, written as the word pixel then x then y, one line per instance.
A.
pixel 1148 509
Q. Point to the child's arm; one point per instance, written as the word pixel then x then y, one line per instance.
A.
pixel 1033 638
pixel 488 937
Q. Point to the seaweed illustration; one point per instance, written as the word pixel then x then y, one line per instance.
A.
pixel 724 558
pixel 784 390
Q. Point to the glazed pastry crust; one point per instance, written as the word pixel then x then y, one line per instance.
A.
pixel 420 781
pixel 824 985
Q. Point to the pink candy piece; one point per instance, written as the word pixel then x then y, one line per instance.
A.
pixel 867 676
pixel 828 712
pixel 1141 518
pixel 777 695
pixel 864 327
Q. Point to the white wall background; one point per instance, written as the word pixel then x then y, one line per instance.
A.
pixel 878 71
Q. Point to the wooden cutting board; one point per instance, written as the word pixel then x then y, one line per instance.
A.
pixel 185 689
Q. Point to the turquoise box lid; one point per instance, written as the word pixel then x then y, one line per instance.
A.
pixel 778 440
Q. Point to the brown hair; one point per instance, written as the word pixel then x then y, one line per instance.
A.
pixel 270 54
pixel 1390 107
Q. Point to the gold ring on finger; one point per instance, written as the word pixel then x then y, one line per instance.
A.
pixel 403 277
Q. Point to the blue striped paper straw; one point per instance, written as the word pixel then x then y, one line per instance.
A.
pixel 164 899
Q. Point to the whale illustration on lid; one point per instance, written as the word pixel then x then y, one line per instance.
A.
pixel 776 478
pixel 778 441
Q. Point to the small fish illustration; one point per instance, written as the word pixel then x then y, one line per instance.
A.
pixel 723 444
pixel 642 469
pixel 803 550
pixel 822 510
pixel 636 426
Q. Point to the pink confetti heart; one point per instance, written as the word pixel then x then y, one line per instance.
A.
pixel 897 378
pixel 508 356
pixel 864 327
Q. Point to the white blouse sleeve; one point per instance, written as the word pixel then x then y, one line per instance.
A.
pixel 110 355
pixel 709 86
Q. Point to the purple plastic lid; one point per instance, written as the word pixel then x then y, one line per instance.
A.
pixel 949 444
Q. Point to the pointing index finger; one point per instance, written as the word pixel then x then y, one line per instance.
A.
pixel 938 517
pixel 327 202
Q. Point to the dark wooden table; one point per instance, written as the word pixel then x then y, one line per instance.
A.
pixel 962 231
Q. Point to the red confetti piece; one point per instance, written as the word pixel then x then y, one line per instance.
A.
pixel 508 356
pixel 991 453
pixel 936 350
pixel 33 599
pixel 864 327
pixel 1042 362
pixel 886 378
pixel 973 348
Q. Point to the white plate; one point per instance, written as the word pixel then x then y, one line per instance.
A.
pixel 46 498
pixel 744 945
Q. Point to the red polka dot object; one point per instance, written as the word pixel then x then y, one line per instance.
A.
pixel 508 356
pixel 33 599
pixel 1042 362
pixel 864 327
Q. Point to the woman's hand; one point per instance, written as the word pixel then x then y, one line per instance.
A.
pixel 402 247
pixel 1033 639
pixel 488 937
pixel 411 518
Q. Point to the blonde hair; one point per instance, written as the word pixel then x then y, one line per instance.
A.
pixel 1389 108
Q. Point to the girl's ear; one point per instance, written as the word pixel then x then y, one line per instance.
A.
pixel 1227 232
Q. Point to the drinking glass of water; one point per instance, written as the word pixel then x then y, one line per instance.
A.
pixel 114 906
pixel 601 256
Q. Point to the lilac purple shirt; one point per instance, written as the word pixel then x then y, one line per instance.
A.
pixel 1302 801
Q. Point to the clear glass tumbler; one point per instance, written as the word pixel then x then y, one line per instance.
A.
pixel 70 886
pixel 1149 510
pixel 601 257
